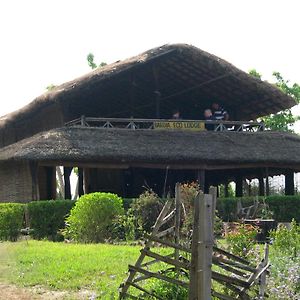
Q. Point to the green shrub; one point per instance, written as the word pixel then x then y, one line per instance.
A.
pixel 286 240
pixel 11 220
pixel 46 218
pixel 91 218
pixel 166 290
pixel 146 209
pixel 241 239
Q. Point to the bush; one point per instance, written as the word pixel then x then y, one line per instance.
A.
pixel 284 280
pixel 145 210
pixel 92 216
pixel 46 218
pixel 241 239
pixel 166 290
pixel 287 241
pixel 11 220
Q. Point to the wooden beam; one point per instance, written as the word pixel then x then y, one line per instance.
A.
pixel 267 182
pixel 67 173
pixel 289 182
pixel 239 185
pixel 159 276
pixel 202 243
pixel 80 182
pixel 261 185
pixel 201 179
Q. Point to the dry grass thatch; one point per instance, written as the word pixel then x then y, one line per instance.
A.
pixel 185 76
pixel 207 149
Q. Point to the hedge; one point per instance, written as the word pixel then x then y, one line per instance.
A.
pixel 11 220
pixel 285 208
pixel 47 217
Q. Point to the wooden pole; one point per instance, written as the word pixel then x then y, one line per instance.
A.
pixel 67 173
pixel 226 189
pixel 239 186
pixel 289 182
pixel 80 182
pixel 267 182
pixel 201 179
pixel 261 185
pixel 177 218
pixel 202 243
pixel 263 277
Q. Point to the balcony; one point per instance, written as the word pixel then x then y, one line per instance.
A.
pixel 165 124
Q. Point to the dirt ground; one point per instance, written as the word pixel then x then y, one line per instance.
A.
pixel 12 292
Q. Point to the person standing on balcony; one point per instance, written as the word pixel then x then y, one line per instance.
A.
pixel 208 116
pixel 219 113
pixel 176 115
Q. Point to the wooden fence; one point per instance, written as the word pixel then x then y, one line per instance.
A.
pixel 198 258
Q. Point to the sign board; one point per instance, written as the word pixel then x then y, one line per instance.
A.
pixel 179 125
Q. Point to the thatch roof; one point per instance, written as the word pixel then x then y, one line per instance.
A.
pixel 154 148
pixel 185 76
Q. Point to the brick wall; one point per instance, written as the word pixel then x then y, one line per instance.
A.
pixel 15 182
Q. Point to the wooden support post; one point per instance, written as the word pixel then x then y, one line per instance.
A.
pixel 213 191
pixel 263 277
pixel 239 186
pixel 226 189
pixel 67 173
pixel 177 218
pixel 34 180
pixel 289 182
pixel 201 179
pixel 202 245
pixel 261 185
pixel 50 182
pixel 267 182
pixel 80 182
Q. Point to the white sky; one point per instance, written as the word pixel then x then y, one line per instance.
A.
pixel 46 42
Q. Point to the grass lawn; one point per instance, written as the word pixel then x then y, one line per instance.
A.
pixel 62 266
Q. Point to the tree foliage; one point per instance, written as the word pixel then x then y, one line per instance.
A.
pixel 91 61
pixel 283 120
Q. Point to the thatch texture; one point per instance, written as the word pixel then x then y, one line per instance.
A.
pixel 154 148
pixel 185 76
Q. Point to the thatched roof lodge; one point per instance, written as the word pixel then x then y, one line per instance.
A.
pixel 118 145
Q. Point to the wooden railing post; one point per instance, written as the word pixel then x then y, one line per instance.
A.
pixel 202 244
pixel 177 218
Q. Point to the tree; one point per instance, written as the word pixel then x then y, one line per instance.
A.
pixel 283 120
pixel 90 59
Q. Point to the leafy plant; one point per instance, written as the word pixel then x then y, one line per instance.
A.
pixel 286 240
pixel 145 210
pixel 90 219
pixel 166 290
pixel 11 220
pixel 241 239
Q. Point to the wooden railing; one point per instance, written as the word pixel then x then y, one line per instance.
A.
pixel 137 124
